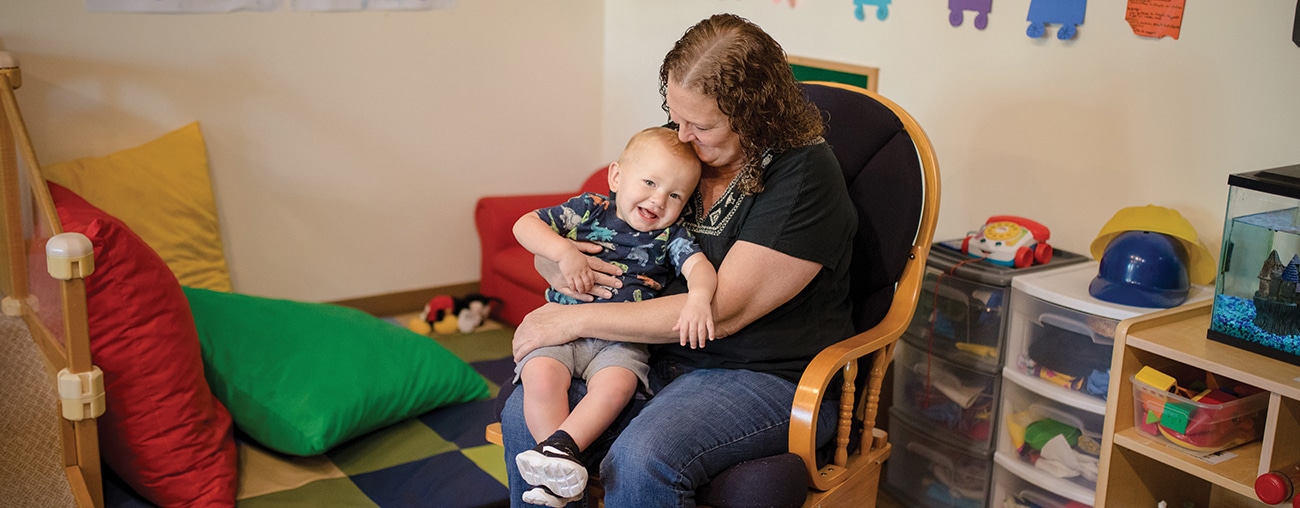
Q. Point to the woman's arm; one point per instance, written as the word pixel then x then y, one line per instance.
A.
pixel 752 281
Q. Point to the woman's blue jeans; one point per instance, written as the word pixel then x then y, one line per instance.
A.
pixel 700 424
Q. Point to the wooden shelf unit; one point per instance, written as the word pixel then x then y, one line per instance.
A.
pixel 1137 470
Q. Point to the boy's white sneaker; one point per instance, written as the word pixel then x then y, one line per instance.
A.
pixel 553 468
pixel 539 495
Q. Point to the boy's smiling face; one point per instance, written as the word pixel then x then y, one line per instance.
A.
pixel 652 187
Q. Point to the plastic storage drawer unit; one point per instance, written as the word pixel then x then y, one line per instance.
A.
pixel 1011 491
pixel 1054 434
pixel 940 393
pixel 963 303
pixel 932 468
pixel 1061 335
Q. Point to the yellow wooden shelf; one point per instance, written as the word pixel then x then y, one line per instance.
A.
pixel 1184 342
pixel 1141 470
pixel 1236 474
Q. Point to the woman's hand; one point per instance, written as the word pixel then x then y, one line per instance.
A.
pixel 549 325
pixel 605 274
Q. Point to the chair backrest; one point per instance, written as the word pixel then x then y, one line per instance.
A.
pixel 598 182
pixel 889 167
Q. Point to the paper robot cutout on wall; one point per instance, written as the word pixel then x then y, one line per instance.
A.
pixel 1067 13
pixel 1155 18
pixel 956 10
pixel 882 9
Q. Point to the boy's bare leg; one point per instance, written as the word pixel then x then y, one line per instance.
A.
pixel 553 466
pixel 608 392
pixel 546 395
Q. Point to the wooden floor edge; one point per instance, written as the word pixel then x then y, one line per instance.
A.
pixel 391 304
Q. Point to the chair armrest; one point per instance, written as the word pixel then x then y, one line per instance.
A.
pixel 811 390
pixel 495 216
pixel 843 356
pixel 493 434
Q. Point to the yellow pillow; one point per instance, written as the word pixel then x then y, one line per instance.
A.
pixel 163 192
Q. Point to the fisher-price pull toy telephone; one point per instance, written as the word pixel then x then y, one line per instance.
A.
pixel 1008 240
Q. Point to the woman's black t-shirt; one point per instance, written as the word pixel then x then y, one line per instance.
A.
pixel 804 211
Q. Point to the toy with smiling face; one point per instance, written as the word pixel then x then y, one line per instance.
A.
pixel 1008 240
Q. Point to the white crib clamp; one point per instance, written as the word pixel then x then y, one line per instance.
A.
pixel 82 394
pixel 11 306
pixel 69 256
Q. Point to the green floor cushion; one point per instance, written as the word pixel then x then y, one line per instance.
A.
pixel 302 377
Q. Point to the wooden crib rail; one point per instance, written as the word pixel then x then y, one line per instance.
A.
pixel 54 309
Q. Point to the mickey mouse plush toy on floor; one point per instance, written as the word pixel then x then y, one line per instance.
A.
pixel 445 314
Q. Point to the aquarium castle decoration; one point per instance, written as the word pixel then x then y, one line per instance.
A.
pixel 1276 308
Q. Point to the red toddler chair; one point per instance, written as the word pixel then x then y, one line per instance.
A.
pixel 506 267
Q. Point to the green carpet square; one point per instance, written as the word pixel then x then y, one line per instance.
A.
pixel 479 346
pixel 489 459
pixel 403 442
pixel 339 492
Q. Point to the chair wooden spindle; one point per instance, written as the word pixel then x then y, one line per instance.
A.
pixel 871 399
pixel 846 414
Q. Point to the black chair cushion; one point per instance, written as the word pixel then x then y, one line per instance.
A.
pixel 777 481
pixel 883 175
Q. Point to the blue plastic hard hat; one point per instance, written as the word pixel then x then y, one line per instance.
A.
pixel 1142 269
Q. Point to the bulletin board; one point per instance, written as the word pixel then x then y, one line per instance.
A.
pixel 812 69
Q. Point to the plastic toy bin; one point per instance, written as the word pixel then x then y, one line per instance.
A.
pixel 938 392
pixel 1056 436
pixel 1216 421
pixel 964 300
pixel 931 468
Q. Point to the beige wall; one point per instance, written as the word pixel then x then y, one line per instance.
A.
pixel 347 149
pixel 1063 132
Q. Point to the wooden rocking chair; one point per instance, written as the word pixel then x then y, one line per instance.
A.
pixel 893 180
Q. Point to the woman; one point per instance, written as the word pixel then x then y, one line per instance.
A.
pixel 772 214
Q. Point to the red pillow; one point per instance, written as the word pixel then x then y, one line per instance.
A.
pixel 162 431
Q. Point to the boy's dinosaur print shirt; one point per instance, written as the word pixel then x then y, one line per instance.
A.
pixel 648 258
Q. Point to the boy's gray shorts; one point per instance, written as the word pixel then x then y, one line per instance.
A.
pixel 584 357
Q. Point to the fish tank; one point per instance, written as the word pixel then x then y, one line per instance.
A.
pixel 1257 292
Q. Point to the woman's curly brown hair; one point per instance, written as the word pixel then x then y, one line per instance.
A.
pixel 734 61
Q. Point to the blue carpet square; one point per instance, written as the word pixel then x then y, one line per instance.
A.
pixel 462 424
pixel 499 371
pixel 460 483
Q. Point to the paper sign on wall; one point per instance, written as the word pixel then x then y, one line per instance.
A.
pixel 181 6
pixel 1155 18
pixel 1295 31
pixel 371 5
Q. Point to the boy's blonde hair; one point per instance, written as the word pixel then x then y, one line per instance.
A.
pixel 661 136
